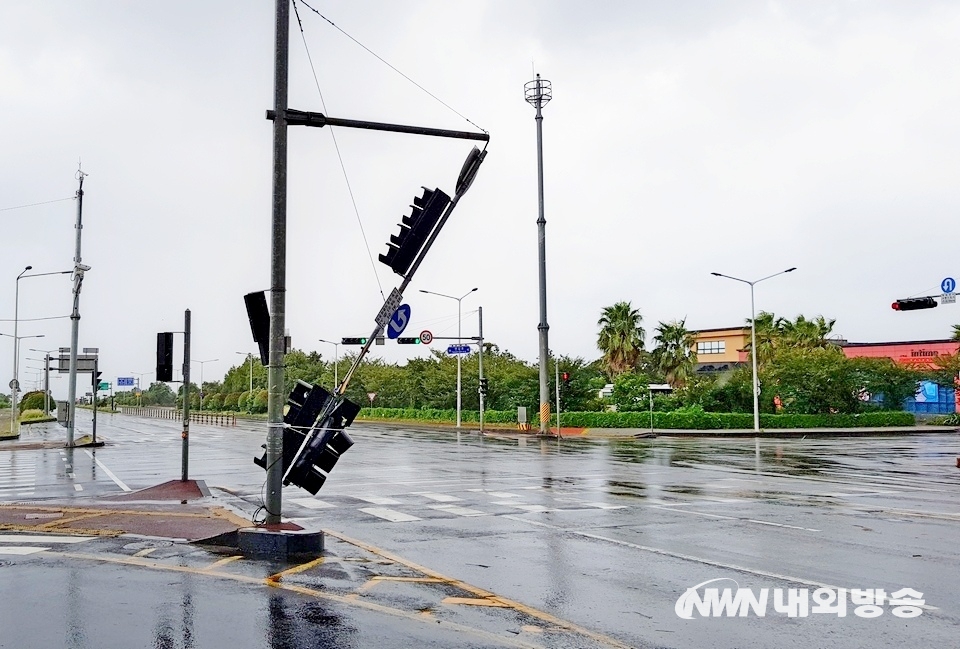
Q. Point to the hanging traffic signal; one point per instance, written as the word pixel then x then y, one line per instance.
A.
pixel 415 229
pixel 566 379
pixel 408 341
pixel 353 341
pixel 484 386
pixel 259 316
pixel 312 442
pixel 914 303
pixel 165 356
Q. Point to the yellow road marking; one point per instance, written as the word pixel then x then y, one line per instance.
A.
pixel 63 521
pixel 217 564
pixel 484 594
pixel 292 571
pixel 473 601
pixel 422 580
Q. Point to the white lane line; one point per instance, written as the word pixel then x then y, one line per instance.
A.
pixel 312 503
pixel 21 550
pixel 27 538
pixel 687 511
pixel 502 494
pixel 456 509
pixel 792 527
pixel 603 505
pixel 108 472
pixel 389 514
pixel 71 475
pixel 441 498
pixel 378 500
pixel 78 487
pixel 688 557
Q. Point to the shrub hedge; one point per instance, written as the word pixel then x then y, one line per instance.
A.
pixel 666 420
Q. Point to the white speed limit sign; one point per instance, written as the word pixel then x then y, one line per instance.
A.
pixel 426 337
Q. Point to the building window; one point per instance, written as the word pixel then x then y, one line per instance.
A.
pixel 712 347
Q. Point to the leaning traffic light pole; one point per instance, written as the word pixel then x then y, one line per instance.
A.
pixel 282 117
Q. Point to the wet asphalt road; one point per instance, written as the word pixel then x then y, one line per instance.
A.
pixel 588 543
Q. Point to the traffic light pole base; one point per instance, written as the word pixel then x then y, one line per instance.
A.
pixel 85 442
pixel 279 542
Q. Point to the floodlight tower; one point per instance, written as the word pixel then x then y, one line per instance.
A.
pixel 538 93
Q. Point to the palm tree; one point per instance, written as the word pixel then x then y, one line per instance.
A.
pixel 956 332
pixel 674 354
pixel 621 338
pixel 807 334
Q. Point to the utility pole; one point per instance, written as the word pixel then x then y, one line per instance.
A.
pixel 78 271
pixel 278 270
pixel 538 93
pixel 480 362
pixel 556 370
pixel 185 436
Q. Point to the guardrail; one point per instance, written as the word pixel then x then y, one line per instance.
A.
pixel 215 418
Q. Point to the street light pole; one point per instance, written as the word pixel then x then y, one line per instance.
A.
pixel 459 341
pixel 336 360
pixel 13 384
pixel 753 340
pixel 212 360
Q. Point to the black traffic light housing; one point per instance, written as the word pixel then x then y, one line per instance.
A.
pixel 484 386
pixel 415 229
pixel 565 377
pixel 259 316
pixel 408 341
pixel 312 441
pixel 914 303
pixel 353 341
pixel 165 356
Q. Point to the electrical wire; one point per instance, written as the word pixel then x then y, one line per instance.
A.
pixel 336 146
pixel 382 60
pixel 56 200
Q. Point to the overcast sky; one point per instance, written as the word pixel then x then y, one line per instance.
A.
pixel 683 138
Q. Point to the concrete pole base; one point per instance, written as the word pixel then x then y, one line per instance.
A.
pixel 272 542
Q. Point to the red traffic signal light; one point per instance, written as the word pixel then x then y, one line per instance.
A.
pixel 566 377
pixel 914 303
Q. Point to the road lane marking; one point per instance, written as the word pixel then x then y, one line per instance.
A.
pixel 442 498
pixel 78 487
pixel 538 509
pixel 389 514
pixel 108 472
pixel 735 518
pixel 312 503
pixel 21 551
pixel 689 557
pixel 459 511
pixel 42 538
pixel 378 500
pixel 221 562
pixel 473 601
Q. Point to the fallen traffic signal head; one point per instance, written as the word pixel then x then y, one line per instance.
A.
pixel 914 303
pixel 415 229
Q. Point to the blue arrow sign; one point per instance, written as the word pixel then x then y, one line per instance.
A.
pixel 458 349
pixel 398 321
pixel 948 285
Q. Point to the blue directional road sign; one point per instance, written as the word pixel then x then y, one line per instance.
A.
pixel 398 321
pixel 948 285
pixel 125 381
pixel 458 349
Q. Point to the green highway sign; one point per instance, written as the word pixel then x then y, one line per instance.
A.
pixel 103 386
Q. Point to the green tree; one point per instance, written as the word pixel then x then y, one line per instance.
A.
pixel 884 376
pixel 674 355
pixel 956 332
pixel 34 401
pixel 159 394
pixel 811 381
pixel 621 338
pixel 630 391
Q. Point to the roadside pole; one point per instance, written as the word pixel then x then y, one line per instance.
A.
pixel 185 436
pixel 480 361
pixel 556 370
pixel 95 387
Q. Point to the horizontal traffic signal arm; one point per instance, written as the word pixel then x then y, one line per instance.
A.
pixel 914 303
pixel 307 118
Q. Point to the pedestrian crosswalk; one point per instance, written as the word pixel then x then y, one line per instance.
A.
pixel 18 476
pixel 18 544
pixel 418 506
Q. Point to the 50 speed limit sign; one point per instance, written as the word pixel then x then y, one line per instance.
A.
pixel 426 337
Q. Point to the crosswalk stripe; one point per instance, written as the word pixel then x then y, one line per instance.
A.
pixel 378 500
pixel 442 498
pixel 312 503
pixel 389 514
pixel 21 550
pixel 456 509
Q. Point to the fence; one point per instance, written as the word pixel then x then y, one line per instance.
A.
pixel 215 418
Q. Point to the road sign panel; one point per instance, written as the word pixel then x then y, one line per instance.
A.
pixel 426 337
pixel 948 285
pixel 398 321
pixel 948 298
pixel 458 349
pixel 103 385
pixel 389 307
pixel 14 384
pixel 125 381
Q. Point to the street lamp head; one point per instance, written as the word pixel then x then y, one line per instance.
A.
pixel 28 268
pixel 790 270
pixel 716 274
